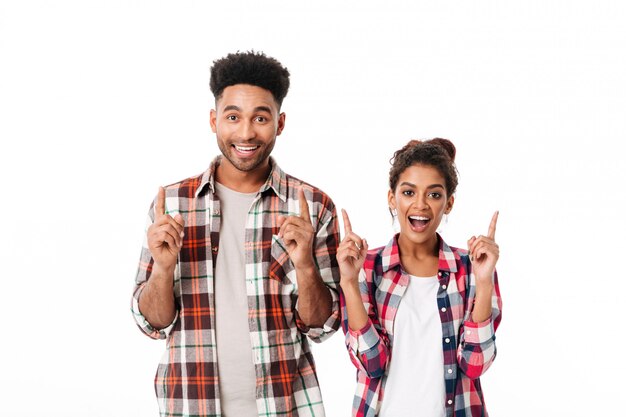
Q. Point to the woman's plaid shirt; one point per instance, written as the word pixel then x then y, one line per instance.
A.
pixel 187 379
pixel 468 348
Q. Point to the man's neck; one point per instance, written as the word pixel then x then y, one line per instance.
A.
pixel 242 181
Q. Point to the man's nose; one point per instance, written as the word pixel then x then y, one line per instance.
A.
pixel 246 131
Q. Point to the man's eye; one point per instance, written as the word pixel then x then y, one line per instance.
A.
pixel 261 119
pixel 231 117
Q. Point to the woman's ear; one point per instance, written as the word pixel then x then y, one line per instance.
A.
pixel 391 199
pixel 449 204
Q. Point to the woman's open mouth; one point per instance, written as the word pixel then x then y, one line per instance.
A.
pixel 419 223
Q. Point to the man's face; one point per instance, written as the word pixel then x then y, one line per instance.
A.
pixel 246 122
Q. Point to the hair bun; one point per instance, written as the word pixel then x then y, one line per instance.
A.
pixel 446 145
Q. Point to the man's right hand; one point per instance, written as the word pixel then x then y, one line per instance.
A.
pixel 165 235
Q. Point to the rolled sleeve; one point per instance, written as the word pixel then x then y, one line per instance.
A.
pixel 364 339
pixel 477 349
pixel 319 334
pixel 141 321
pixel 479 333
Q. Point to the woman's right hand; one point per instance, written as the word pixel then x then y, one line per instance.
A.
pixel 351 254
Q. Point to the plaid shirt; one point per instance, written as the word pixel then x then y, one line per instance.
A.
pixel 468 348
pixel 187 380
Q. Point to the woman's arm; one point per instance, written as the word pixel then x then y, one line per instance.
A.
pixel 366 340
pixel 477 348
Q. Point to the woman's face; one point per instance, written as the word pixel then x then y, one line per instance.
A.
pixel 421 200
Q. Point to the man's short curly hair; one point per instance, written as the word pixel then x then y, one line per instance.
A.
pixel 254 68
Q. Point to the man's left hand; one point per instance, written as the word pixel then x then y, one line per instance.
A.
pixel 297 232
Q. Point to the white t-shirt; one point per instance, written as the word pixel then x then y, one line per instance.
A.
pixel 415 384
pixel 234 349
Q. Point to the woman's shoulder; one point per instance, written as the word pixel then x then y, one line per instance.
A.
pixel 457 259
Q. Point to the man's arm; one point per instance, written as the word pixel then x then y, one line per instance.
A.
pixel 315 301
pixel 154 297
pixel 156 301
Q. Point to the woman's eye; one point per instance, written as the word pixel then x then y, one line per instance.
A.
pixel 435 195
pixel 408 193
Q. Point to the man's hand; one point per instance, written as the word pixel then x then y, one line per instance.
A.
pixel 297 232
pixel 165 235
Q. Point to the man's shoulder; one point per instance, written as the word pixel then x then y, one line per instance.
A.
pixel 311 191
pixel 187 187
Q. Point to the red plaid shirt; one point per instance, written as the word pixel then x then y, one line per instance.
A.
pixel 187 378
pixel 468 348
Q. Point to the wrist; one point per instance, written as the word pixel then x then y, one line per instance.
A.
pixel 306 266
pixel 163 274
pixel 350 288
pixel 484 289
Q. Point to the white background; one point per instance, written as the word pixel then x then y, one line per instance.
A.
pixel 103 101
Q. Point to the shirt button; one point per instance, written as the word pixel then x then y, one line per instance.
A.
pixel 449 371
pixel 447 340
pixel 449 401
pixel 214 249
pixel 444 286
pixel 443 309
pixel 439 274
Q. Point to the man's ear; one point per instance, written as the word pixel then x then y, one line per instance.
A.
pixel 281 123
pixel 213 120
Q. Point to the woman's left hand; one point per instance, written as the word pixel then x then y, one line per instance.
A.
pixel 484 253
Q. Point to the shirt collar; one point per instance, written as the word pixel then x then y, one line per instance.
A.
pixel 391 256
pixel 276 181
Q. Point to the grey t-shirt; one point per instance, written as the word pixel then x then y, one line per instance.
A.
pixel 237 377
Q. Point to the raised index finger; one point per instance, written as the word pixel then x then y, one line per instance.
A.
pixel 347 226
pixel 492 225
pixel 160 203
pixel 304 207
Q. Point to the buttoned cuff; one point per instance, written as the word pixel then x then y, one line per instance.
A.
pixel 478 333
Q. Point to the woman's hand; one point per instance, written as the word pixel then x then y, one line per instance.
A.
pixel 484 253
pixel 351 254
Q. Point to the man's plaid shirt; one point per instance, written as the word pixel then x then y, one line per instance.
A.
pixel 187 380
pixel 468 347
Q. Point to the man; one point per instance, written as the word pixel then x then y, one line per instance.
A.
pixel 239 263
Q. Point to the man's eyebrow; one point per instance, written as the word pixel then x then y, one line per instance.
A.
pixel 231 107
pixel 263 108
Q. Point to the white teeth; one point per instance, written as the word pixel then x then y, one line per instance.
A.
pixel 245 148
pixel 418 218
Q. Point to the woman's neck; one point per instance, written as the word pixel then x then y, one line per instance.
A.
pixel 420 259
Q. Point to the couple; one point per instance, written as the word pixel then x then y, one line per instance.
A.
pixel 242 262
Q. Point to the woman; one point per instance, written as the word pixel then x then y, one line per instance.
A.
pixel 419 315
